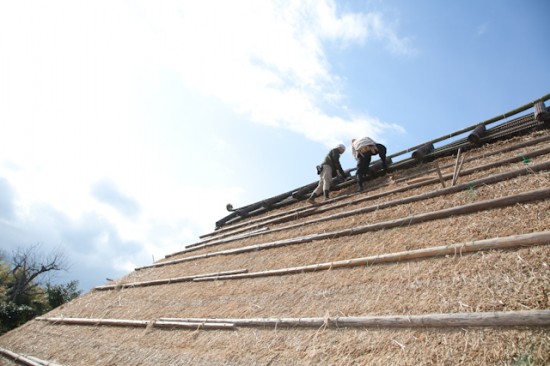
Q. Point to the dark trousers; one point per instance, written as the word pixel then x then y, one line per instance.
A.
pixel 364 162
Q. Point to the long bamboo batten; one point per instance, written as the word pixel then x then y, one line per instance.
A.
pixel 456 165
pixel 42 362
pixel 457 172
pixel 255 223
pixel 510 242
pixel 23 360
pixel 231 227
pixel 139 323
pixel 480 156
pixel 539 194
pixel 449 190
pixel 241 235
pixel 527 318
pixel 470 128
pixel 167 281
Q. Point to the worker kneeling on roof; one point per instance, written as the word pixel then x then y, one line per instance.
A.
pixel 327 170
pixel 362 150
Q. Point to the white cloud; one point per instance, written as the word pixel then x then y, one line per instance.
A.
pixel 266 59
pixel 70 117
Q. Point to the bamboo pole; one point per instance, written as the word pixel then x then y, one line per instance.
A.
pixel 526 318
pixel 241 224
pixel 268 220
pixel 514 241
pixel 457 172
pixel 19 358
pixel 455 178
pixel 215 241
pixel 467 129
pixel 139 323
pixel 457 161
pixel 212 326
pixel 420 179
pixel 535 195
pixel 304 211
pixel 258 221
pixel 167 281
pixel 506 149
pixel 439 174
pixel 42 362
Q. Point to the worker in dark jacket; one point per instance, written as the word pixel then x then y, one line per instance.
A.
pixel 328 170
pixel 362 150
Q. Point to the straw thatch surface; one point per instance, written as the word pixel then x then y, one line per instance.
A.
pixel 497 280
pixel 129 346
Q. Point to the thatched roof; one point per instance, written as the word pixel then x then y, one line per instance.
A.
pixel 407 272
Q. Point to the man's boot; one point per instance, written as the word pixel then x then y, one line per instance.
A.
pixel 326 195
pixel 360 180
pixel 311 198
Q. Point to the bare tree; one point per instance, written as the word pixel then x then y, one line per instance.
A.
pixel 27 266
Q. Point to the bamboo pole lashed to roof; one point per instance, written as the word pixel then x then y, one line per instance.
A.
pixel 139 323
pixel 526 318
pixel 241 235
pixel 249 222
pixel 535 195
pixel 251 225
pixel 439 174
pixel 515 241
pixel 167 281
pixel 505 149
pixel 486 122
pixel 23 360
pixel 42 362
pixel 456 163
pixel 457 171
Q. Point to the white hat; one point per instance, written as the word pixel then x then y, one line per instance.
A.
pixel 341 146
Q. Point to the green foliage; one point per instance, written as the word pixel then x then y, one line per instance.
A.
pixel 4 277
pixel 22 295
pixel 60 294
pixel 12 315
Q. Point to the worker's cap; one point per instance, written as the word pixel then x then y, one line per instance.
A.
pixel 342 147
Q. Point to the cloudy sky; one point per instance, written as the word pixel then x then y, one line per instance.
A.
pixel 127 126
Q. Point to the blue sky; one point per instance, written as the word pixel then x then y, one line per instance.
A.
pixel 127 126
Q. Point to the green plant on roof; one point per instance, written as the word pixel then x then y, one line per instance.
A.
pixel 522 360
